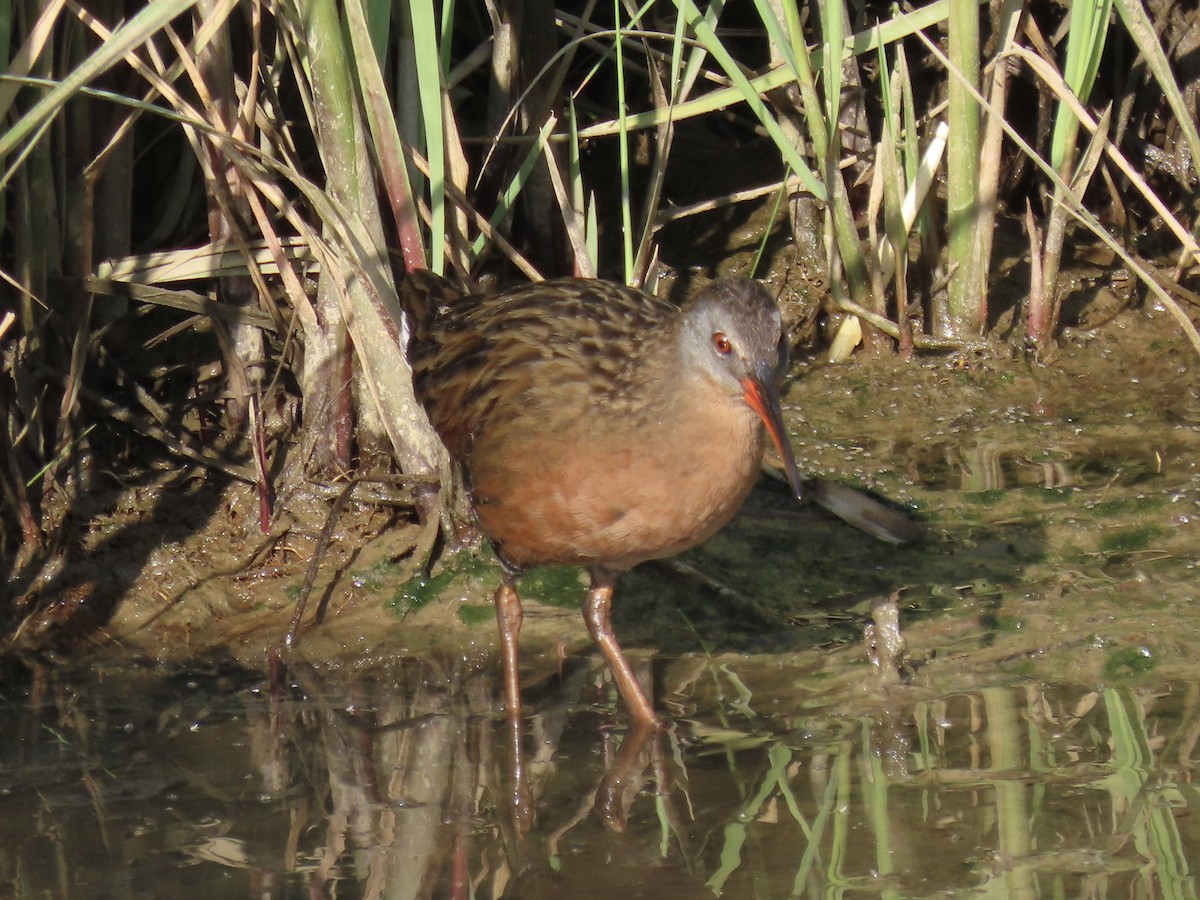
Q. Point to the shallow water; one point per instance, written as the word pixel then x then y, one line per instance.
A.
pixel 1039 742
pixel 217 785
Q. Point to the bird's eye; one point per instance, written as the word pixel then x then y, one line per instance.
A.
pixel 722 343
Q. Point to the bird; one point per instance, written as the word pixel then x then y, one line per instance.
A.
pixel 598 425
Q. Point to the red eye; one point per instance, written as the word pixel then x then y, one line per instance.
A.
pixel 722 343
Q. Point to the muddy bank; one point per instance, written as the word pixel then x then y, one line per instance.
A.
pixel 1059 477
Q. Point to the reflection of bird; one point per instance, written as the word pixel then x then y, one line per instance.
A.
pixel 599 426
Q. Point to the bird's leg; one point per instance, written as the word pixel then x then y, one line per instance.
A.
pixel 508 617
pixel 597 613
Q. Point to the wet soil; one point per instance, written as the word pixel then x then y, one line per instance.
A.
pixel 1042 738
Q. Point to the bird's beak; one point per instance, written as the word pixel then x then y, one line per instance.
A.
pixel 762 396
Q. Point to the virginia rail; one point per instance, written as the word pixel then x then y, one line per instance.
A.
pixel 599 426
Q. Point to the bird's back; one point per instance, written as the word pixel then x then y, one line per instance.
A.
pixel 547 352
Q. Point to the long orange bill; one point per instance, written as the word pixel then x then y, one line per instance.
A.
pixel 763 397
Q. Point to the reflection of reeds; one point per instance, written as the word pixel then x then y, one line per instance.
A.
pixel 398 784
pixel 899 833
pixel 400 770
pixel 1143 800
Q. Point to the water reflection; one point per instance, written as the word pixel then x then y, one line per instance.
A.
pixel 402 784
pixel 977 465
